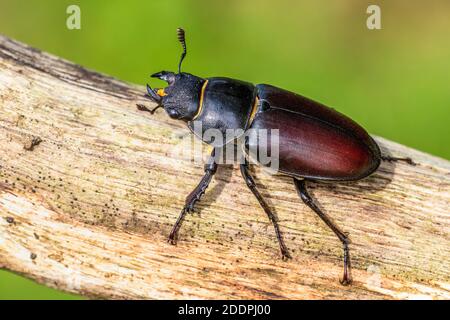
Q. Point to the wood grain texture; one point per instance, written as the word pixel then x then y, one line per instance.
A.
pixel 88 209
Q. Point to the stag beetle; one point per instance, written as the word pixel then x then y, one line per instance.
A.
pixel 315 141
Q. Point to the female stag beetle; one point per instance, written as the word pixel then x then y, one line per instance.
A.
pixel 315 142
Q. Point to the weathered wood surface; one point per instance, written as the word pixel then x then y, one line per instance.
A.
pixel 89 208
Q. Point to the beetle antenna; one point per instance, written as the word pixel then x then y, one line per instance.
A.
pixel 181 38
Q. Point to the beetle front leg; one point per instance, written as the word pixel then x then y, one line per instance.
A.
pixel 194 196
pixel 252 186
pixel 300 185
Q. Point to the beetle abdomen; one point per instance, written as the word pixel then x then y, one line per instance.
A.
pixel 315 141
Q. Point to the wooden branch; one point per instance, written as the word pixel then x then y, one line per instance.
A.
pixel 90 187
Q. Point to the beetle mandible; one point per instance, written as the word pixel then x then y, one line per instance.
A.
pixel 315 142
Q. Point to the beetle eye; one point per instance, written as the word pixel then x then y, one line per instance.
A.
pixel 173 113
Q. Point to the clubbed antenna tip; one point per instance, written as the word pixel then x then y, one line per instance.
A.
pixel 182 39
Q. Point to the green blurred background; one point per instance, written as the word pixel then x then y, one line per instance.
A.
pixel 394 81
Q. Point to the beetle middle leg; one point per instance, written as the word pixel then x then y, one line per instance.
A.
pixel 252 186
pixel 195 195
pixel 300 185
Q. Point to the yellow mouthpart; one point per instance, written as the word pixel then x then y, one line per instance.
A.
pixel 161 93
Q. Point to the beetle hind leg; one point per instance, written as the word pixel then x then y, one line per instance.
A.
pixel 252 186
pixel 300 185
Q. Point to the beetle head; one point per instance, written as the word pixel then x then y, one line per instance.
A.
pixel 181 97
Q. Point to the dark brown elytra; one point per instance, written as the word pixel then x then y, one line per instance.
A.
pixel 315 142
